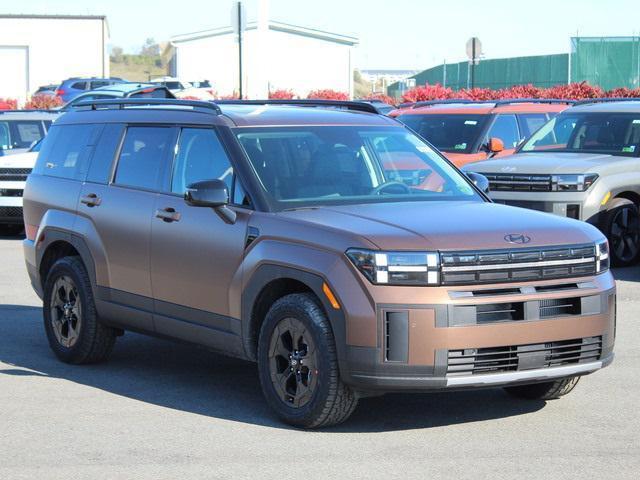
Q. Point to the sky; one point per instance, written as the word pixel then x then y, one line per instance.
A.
pixel 393 34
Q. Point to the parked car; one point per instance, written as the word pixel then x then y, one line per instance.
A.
pixel 201 84
pixel 182 89
pixel 582 164
pixel 14 170
pixel 47 90
pixel 121 90
pixel 468 131
pixel 281 234
pixel 20 128
pixel 72 87
pixel 382 107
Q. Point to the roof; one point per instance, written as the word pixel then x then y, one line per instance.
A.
pixel 163 111
pixel 481 108
pixel 628 106
pixel 55 17
pixel 273 25
pixel 27 115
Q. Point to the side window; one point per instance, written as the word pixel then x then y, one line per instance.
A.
pixel 505 127
pixel 64 151
pixel 104 153
pixel 79 86
pixel 25 133
pixel 142 156
pixel 200 156
pixel 530 122
pixel 99 83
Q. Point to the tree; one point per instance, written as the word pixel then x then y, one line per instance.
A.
pixel 117 54
pixel 150 48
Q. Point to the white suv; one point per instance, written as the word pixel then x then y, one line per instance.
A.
pixel 14 170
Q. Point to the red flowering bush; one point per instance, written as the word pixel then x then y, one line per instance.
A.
pixel 8 104
pixel 282 94
pixel 623 92
pixel 381 97
pixel 573 91
pixel 233 96
pixel 427 92
pixel 521 91
pixel 327 94
pixel 43 102
pixel 479 94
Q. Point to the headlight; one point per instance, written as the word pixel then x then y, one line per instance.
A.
pixel 397 268
pixel 602 257
pixel 572 183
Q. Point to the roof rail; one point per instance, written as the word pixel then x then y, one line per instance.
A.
pixel 509 101
pixel 346 104
pixel 606 100
pixel 121 103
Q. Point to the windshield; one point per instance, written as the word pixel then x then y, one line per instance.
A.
pixel 454 133
pixel 611 133
pixel 329 165
pixel 19 133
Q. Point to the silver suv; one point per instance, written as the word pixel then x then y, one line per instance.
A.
pixel 582 164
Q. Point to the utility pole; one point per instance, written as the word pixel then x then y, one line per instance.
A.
pixel 474 52
pixel 240 50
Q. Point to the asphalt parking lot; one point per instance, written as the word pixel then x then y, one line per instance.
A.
pixel 163 410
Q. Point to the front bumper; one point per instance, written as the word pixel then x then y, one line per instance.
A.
pixel 551 334
pixel 576 205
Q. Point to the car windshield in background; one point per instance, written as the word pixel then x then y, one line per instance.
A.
pixel 19 134
pixel 329 165
pixel 454 133
pixel 611 133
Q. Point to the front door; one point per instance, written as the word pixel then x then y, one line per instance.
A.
pixel 195 254
pixel 120 213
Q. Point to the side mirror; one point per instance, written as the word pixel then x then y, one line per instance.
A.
pixel 479 181
pixel 213 194
pixel 495 145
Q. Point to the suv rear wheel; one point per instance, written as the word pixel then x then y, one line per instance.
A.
pixel 298 365
pixel 70 319
pixel 622 227
pixel 544 391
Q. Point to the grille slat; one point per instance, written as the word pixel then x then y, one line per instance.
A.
pixel 517 265
pixel 520 183
pixel 9 212
pixel 14 174
pixel 523 357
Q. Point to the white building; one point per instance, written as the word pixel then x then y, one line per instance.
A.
pixel 275 56
pixel 39 50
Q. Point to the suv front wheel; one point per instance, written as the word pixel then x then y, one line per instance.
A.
pixel 622 228
pixel 70 320
pixel 298 365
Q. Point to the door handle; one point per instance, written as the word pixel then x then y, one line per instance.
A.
pixel 91 200
pixel 168 215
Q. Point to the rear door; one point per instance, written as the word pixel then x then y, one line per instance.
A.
pixel 120 211
pixel 195 254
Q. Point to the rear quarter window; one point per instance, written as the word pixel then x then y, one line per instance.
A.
pixel 65 151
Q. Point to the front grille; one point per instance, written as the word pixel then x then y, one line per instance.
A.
pixel 474 361
pixel 519 183
pixel 10 212
pixel 559 307
pixel 14 174
pixel 517 265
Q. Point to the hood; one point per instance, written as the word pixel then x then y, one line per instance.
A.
pixel 550 163
pixel 19 160
pixel 460 159
pixel 447 225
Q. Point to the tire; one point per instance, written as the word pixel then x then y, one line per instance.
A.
pixel 622 228
pixel 311 398
pixel 68 300
pixel 544 391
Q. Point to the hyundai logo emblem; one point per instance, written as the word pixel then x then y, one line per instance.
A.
pixel 517 238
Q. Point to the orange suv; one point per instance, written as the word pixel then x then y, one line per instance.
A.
pixel 468 131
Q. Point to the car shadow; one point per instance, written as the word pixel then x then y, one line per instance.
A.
pixel 629 274
pixel 192 379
